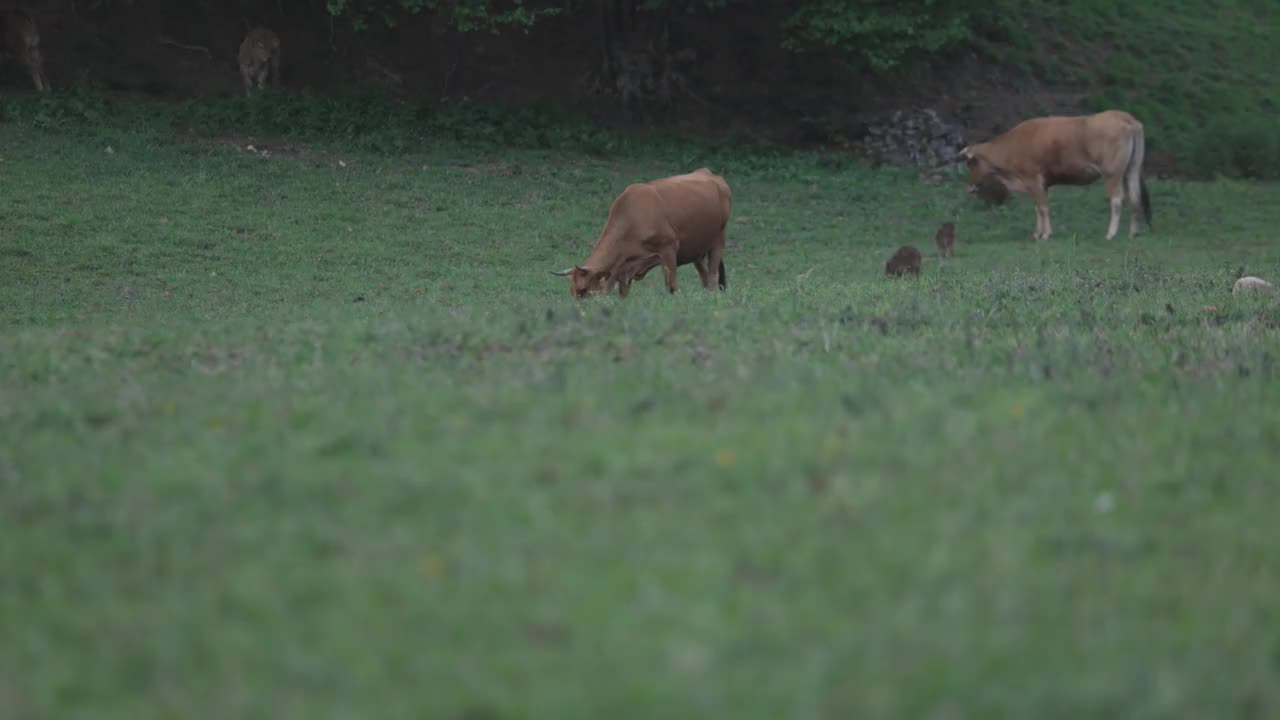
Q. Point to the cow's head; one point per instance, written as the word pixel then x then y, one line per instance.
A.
pixel 980 168
pixel 582 280
pixel 986 180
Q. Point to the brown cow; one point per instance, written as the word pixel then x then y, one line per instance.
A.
pixel 1039 153
pixel 670 221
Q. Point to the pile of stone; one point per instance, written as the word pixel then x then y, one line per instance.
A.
pixel 913 137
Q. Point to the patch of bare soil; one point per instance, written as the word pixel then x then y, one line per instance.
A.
pixel 490 168
pixel 253 146
pixel 262 148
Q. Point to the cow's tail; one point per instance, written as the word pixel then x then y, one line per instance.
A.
pixel 724 279
pixel 1135 184
pixel 1146 201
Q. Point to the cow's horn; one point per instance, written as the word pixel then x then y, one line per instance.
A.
pixel 562 273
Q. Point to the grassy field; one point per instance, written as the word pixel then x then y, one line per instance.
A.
pixel 1203 82
pixel 315 435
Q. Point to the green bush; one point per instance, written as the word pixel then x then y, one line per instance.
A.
pixel 75 106
pixel 885 35
pixel 365 120
pixel 1243 146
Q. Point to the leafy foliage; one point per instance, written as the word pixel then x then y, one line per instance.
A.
pixel 884 34
pixel 465 15
pixel 880 34
pixel 76 105
pixel 369 121
pixel 1243 146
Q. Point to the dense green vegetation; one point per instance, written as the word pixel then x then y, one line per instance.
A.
pixel 1204 82
pixel 881 34
pixel 314 434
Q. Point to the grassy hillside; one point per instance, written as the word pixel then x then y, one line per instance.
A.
pixel 316 435
pixel 1203 78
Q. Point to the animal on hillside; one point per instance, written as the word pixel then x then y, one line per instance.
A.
pixel 1039 153
pixel 906 260
pixel 22 44
pixel 945 239
pixel 259 53
pixel 670 221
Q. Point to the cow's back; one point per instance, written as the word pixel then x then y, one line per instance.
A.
pixel 1066 144
pixel 1107 136
pixel 696 208
pixel 1112 119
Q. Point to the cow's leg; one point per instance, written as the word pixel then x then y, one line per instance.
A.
pixel 715 257
pixel 1136 206
pixel 642 267
pixel 668 259
pixel 707 277
pixel 1115 192
pixel 1041 197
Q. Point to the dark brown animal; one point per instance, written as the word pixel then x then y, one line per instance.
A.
pixel 906 260
pixel 259 53
pixel 945 239
pixel 670 222
pixel 991 192
pixel 22 44
pixel 1039 153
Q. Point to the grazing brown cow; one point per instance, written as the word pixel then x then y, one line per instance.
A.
pixel 945 239
pixel 22 43
pixel 1039 153
pixel 906 260
pixel 670 222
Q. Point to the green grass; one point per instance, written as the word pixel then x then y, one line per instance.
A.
pixel 284 438
pixel 1202 78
